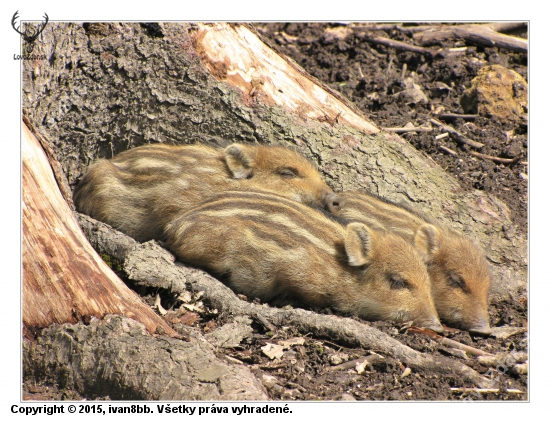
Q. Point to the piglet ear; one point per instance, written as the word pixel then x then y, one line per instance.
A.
pixel 428 240
pixel 240 160
pixel 359 243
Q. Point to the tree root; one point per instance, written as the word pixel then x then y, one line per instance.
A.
pixel 168 274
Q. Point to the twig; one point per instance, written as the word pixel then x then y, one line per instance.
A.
pixel 457 136
pixel 493 158
pixel 449 342
pixel 352 363
pixel 457 116
pixel 375 27
pixel 405 129
pixel 448 150
pixel 486 390
pixel 262 320
pixel 441 136
pixel 403 70
pixel 398 45
pixel 360 70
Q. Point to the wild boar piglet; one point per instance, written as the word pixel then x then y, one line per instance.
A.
pixel 142 189
pixel 266 246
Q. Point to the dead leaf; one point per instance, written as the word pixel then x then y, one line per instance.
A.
pixel 290 342
pixel 273 351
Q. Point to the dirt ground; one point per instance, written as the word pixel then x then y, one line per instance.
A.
pixel 371 75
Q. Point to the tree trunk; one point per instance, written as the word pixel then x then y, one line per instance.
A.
pixel 64 279
pixel 106 87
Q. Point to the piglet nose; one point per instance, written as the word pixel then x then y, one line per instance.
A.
pixel 431 323
pixel 481 327
pixel 333 202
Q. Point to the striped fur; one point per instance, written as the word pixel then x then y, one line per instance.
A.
pixel 140 190
pixel 458 270
pixel 267 247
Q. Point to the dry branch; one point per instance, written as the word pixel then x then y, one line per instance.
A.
pixel 398 45
pixel 457 116
pixel 475 34
pixel 494 158
pixel 450 342
pixel 403 130
pixel 457 136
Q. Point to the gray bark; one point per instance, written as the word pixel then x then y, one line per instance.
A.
pixel 116 357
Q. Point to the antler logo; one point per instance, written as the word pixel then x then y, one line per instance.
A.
pixel 27 35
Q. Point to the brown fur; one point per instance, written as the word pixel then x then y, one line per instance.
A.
pixel 458 270
pixel 267 246
pixel 140 190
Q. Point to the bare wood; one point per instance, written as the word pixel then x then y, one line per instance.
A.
pixel 449 342
pixel 475 34
pixel 63 277
pixel 457 116
pixel 457 136
pixel 352 363
pixel 405 129
pixel 293 89
pixel 399 45
pixel 60 177
pixel 494 158
pixel 486 390
pixel 448 150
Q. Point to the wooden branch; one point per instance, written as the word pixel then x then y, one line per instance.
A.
pixel 457 136
pixel 168 274
pixel 486 390
pixel 449 342
pixel 352 363
pixel 448 150
pixel 63 277
pixel 405 129
pixel 231 53
pixel 399 45
pixel 457 116
pixel 494 158
pixel 475 34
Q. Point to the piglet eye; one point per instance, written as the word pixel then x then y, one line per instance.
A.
pixel 288 172
pixel 397 282
pixel 456 281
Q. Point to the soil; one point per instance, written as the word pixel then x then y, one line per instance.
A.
pixel 369 75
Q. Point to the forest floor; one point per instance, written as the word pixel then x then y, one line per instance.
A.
pixel 372 76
